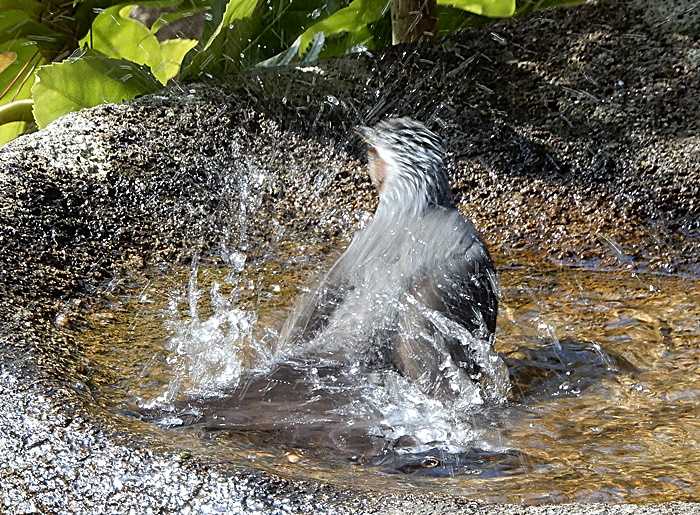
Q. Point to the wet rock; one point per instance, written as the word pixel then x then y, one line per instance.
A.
pixel 573 135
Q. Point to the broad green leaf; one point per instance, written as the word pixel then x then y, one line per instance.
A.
pixel 226 38
pixel 235 10
pixel 167 18
pixel 19 24
pixel 85 11
pixel 10 131
pixel 18 60
pixel 116 35
pixel 17 77
pixel 282 23
pixel 86 81
pixel 352 19
pixel 172 52
pixel 489 8
pixel 32 7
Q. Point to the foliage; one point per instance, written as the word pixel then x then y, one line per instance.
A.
pixel 56 92
pixel 366 24
pixel 34 34
pixel 18 60
pixel 58 56
pixel 115 34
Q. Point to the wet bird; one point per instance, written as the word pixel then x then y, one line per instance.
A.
pixel 416 290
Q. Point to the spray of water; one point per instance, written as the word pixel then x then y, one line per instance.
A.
pixel 384 306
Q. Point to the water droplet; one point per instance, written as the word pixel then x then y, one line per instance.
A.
pixel 237 261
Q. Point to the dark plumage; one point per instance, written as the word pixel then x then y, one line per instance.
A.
pixel 416 289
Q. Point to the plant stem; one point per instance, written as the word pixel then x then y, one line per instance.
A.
pixel 17 111
pixel 412 20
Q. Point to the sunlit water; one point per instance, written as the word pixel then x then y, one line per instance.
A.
pixel 603 404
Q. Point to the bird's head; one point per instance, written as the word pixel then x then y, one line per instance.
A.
pixel 406 165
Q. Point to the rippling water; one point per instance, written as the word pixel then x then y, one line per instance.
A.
pixel 603 405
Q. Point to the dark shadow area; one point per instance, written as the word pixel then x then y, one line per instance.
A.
pixel 562 368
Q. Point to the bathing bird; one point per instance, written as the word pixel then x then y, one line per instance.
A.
pixel 416 290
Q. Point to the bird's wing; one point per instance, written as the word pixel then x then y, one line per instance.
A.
pixel 457 295
pixel 468 289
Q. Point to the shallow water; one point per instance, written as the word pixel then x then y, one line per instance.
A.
pixel 603 406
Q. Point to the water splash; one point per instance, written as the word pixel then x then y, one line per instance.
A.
pixel 206 351
pixel 210 348
pixel 217 351
pixel 214 353
pixel 595 360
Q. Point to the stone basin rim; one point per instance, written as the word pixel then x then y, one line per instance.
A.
pixel 51 437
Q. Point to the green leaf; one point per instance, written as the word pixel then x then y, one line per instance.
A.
pixel 167 18
pixel 20 57
pixel 282 23
pixel 19 24
pixel 172 52
pixel 18 61
pixel 85 12
pixel 32 7
pixel 225 38
pixel 489 8
pixel 10 131
pixel 116 35
pixel 86 81
pixel 353 20
pixel 362 23
pixel 235 10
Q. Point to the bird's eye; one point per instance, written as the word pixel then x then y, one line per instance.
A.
pixel 372 154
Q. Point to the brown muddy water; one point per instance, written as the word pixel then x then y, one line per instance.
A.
pixel 604 403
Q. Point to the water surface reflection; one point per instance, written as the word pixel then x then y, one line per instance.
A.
pixel 603 405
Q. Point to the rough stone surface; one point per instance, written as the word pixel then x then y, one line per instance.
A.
pixel 573 135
